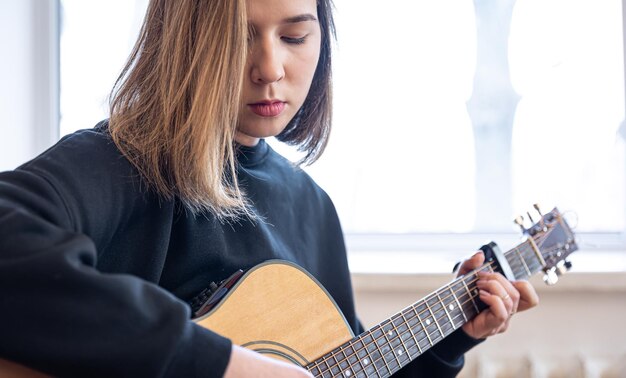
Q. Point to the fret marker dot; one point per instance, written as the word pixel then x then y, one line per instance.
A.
pixel 348 373
pixel 427 321
pixel 366 361
pixel 390 333
pixel 451 307
pixel 400 352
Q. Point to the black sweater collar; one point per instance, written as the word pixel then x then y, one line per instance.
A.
pixel 251 155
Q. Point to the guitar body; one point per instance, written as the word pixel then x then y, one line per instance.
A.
pixel 279 310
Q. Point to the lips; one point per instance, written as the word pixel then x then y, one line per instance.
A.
pixel 267 108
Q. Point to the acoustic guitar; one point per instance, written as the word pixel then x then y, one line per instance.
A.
pixel 278 309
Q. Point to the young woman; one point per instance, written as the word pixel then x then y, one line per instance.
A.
pixel 106 237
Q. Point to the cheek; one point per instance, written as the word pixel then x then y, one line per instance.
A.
pixel 304 68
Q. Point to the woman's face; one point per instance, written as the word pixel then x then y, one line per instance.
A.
pixel 284 50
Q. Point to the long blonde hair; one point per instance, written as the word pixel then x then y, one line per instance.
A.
pixel 174 106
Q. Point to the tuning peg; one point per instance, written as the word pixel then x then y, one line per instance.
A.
pixel 563 267
pixel 536 206
pixel 520 222
pixel 551 277
pixel 532 221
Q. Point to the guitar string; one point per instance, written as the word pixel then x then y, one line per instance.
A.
pixel 375 339
pixel 440 314
pixel 386 355
pixel 417 315
pixel 409 328
pixel 454 325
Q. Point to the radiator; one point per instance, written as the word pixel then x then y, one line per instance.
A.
pixel 545 367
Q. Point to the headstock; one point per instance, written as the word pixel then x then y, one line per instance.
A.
pixel 554 240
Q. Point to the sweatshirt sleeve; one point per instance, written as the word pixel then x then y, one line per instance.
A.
pixel 63 317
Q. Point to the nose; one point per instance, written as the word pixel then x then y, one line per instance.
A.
pixel 266 63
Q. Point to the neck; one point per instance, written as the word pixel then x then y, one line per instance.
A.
pixel 246 140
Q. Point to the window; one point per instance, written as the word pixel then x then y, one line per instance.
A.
pixel 439 129
pixel 96 39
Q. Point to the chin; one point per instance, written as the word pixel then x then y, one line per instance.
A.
pixel 263 129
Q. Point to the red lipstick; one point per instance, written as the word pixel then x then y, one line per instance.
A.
pixel 271 108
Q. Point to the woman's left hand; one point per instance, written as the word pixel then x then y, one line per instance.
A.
pixel 503 298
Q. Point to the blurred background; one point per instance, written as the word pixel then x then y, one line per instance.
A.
pixel 451 119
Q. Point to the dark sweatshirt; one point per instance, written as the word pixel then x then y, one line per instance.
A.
pixel 96 270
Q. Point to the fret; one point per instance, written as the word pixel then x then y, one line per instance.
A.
pixel 374 352
pixel 389 348
pixel 401 331
pixel 453 307
pixel 365 359
pixel 334 369
pixel 534 265
pixel 469 293
pixel 514 263
pixel 346 365
pixel 326 369
pixel 527 259
pixel 315 369
pixel 381 364
pixel 455 289
pixel 469 309
pixel 445 305
pixel 383 343
pixel 440 315
pixel 412 339
pixel 401 350
pixel 335 357
pixel 466 300
pixel 425 323
pixel 334 365
pixel 418 330
pixel 326 366
pixel 353 358
pixel 369 346
pixel 432 320
pixel 521 259
pixel 401 326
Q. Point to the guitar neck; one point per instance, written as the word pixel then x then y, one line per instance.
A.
pixel 392 344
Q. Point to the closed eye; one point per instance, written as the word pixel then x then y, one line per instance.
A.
pixel 294 41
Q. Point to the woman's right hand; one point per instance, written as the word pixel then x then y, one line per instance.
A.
pixel 246 363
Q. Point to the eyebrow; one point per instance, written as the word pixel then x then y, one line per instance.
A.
pixel 299 18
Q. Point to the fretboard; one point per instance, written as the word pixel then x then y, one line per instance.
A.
pixel 387 347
